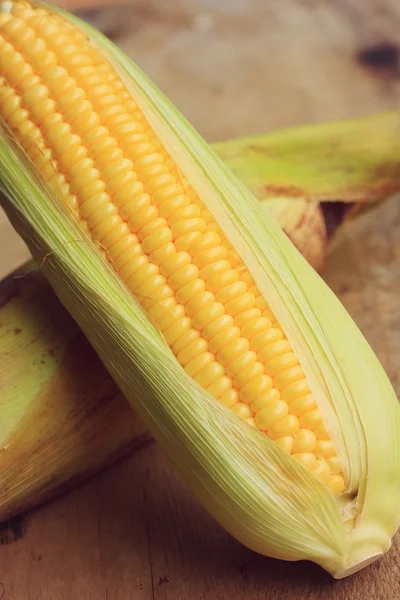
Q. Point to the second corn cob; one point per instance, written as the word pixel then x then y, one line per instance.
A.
pixel 169 239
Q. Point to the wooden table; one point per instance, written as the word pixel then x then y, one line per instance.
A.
pixel 234 68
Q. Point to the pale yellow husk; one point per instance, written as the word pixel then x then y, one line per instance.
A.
pixel 260 495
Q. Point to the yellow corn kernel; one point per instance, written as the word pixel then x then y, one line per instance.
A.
pixel 321 470
pixel 307 459
pixel 304 441
pixel 301 405
pixel 311 419
pixel 262 401
pixel 219 387
pixel 335 465
pixel 325 449
pixel 289 425
pixel 295 391
pixel 321 433
pixel 288 377
pixel 285 443
pixel 229 398
pixel 242 410
pixel 256 388
pixel 336 484
pixel 273 413
pixel 266 337
pixel 210 373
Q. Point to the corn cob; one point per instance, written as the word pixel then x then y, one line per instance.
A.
pixel 40 346
pixel 98 152
pixel 201 281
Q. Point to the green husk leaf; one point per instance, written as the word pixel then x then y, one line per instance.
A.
pixel 61 416
pixel 260 495
pixel 354 160
pixel 23 324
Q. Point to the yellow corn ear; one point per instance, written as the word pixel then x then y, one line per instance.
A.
pixel 245 475
pixel 95 149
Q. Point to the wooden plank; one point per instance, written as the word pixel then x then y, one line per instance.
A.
pixel 234 69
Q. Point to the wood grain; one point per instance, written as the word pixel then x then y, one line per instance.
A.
pixel 135 533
